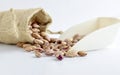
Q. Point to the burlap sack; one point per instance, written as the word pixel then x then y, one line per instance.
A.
pixel 14 24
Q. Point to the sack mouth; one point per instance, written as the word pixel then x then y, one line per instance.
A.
pixel 41 18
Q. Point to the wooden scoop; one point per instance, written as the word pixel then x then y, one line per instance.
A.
pixel 100 33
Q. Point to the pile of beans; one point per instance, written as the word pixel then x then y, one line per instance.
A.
pixel 43 44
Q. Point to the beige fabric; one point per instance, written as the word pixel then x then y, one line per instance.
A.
pixel 14 24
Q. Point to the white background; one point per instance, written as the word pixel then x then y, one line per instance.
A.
pixel 65 13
